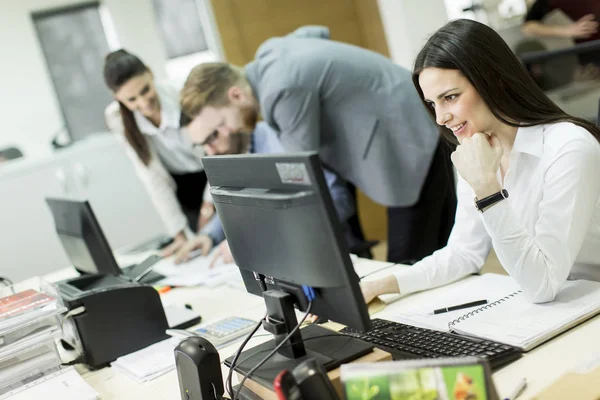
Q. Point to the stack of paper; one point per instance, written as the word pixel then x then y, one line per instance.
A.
pixel 148 363
pixel 29 325
pixel 195 272
pixel 65 384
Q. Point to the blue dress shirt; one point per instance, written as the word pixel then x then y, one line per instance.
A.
pixel 264 140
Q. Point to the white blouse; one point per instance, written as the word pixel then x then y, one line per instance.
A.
pixel 171 152
pixel 548 229
pixel 174 147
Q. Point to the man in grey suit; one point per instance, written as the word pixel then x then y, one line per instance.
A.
pixel 358 109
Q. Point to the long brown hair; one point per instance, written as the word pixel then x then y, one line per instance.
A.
pixel 119 67
pixel 503 83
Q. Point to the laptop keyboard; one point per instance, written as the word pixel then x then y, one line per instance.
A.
pixel 409 342
pixel 150 278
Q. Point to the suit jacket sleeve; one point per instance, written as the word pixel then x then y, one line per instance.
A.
pixel 296 114
pixel 311 31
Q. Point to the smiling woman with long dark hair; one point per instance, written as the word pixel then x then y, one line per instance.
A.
pixel 531 168
pixel 147 115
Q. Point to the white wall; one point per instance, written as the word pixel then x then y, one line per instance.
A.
pixel 30 111
pixel 408 24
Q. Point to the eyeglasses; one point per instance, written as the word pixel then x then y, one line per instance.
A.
pixel 209 139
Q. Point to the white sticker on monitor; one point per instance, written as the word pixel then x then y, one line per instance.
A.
pixel 294 173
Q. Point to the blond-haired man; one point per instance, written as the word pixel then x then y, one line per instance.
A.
pixel 359 110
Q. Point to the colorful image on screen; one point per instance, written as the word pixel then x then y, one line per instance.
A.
pixel 435 383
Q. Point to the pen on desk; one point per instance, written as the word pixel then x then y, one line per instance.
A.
pixel 460 306
pixel 517 390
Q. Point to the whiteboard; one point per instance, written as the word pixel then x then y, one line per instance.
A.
pixel 74 46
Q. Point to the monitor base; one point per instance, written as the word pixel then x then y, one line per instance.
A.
pixel 330 348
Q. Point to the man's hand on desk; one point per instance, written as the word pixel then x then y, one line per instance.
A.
pixel 200 242
pixel 175 245
pixel 223 254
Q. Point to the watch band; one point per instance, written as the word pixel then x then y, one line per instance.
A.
pixel 490 200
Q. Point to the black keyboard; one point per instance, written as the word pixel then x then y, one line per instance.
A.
pixel 406 342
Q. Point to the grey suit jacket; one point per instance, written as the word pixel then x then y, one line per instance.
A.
pixel 356 107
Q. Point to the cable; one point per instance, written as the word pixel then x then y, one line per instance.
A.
pixel 332 334
pixel 379 270
pixel 78 360
pixel 228 384
pixel 275 350
pixel 3 279
pixel 253 337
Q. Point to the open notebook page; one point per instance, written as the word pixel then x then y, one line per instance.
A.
pixel 517 322
pixel 490 287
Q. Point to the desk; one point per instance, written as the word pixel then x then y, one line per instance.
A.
pixel 541 366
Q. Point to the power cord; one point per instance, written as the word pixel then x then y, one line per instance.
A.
pixel 76 361
pixel 379 270
pixel 228 384
pixel 333 334
pixel 5 281
pixel 249 356
pixel 275 350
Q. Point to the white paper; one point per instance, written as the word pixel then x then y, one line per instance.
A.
pixel 490 287
pixel 195 272
pixel 178 314
pixel 521 323
pixel 66 384
pixel 148 363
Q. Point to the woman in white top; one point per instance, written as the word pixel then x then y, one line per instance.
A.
pixel 147 116
pixel 533 170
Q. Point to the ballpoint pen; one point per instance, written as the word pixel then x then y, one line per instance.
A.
pixel 460 306
pixel 518 389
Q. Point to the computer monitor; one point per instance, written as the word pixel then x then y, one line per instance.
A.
pixel 82 238
pixel 86 246
pixel 284 232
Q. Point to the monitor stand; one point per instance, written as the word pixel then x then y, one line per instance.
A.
pixel 328 347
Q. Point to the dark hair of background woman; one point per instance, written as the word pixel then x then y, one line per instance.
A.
pixel 504 84
pixel 119 67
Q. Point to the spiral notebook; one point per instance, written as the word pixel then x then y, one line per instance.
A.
pixel 508 317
